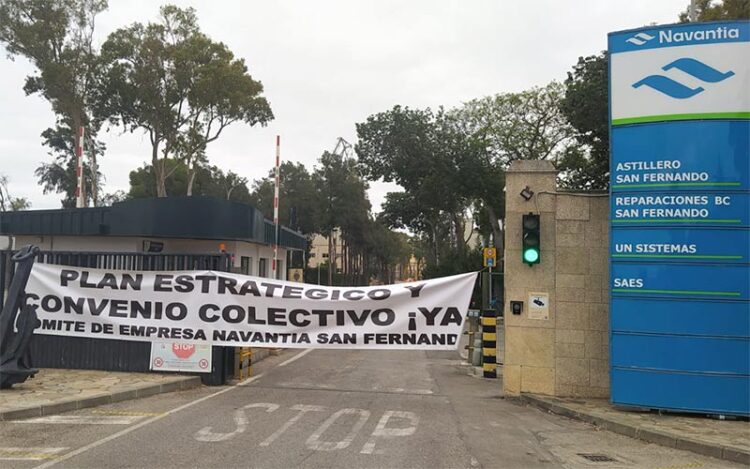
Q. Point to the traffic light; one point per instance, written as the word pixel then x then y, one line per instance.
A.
pixel 531 253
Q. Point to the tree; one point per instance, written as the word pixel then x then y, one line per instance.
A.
pixel 387 250
pixel 209 181
pixel 452 164
pixel 56 36
pixel 502 128
pixel 341 197
pixel 528 125
pixel 423 152
pixel 231 181
pixel 115 197
pixel 60 175
pixel 179 86
pixel 332 201
pixel 586 107
pixel 709 10
pixel 8 202
pixel 298 208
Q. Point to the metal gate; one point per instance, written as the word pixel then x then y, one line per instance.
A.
pixel 50 351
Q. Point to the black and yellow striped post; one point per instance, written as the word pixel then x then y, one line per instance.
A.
pixel 489 343
pixel 243 362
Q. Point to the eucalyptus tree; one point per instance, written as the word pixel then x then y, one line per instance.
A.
pixel 179 86
pixel 209 181
pixel 56 36
pixel 7 201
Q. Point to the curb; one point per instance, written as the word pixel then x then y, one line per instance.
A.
pixel 68 405
pixel 671 440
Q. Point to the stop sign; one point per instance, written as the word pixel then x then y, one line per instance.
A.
pixel 183 351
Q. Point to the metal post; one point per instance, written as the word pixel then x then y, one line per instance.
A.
pixel 80 198
pixel 490 286
pixel 276 208
pixel 489 331
pixel 692 12
pixel 491 244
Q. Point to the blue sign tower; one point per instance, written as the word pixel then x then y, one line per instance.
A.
pixel 680 217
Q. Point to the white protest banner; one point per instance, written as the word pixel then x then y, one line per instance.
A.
pixel 219 308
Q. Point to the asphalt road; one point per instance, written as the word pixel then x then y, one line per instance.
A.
pixel 331 409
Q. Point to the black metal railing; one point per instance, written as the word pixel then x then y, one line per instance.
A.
pixel 137 261
pixel 6 273
pixel 50 351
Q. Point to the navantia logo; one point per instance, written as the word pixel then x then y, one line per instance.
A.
pixel 677 90
pixel 669 36
pixel 719 33
pixel 640 39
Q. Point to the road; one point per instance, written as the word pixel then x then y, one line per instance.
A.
pixel 331 409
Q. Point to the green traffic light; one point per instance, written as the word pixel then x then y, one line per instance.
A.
pixel 531 255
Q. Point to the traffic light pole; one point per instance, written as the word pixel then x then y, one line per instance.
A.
pixel 489 287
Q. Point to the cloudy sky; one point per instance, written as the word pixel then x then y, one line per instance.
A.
pixel 327 65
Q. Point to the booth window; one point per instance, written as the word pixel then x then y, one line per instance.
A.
pixel 246 265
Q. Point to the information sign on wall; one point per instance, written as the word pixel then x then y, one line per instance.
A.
pixel 539 306
pixel 176 356
pixel 680 217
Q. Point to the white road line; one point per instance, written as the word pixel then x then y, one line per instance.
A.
pixel 296 357
pixel 404 391
pixel 33 453
pixel 83 420
pixel 125 431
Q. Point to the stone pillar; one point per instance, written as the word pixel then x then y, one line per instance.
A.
pixel 566 352
pixel 529 364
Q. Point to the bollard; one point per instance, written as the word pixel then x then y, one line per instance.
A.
pixel 470 346
pixel 476 358
pixel 243 362
pixel 489 343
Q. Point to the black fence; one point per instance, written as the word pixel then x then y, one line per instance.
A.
pixel 6 273
pixel 48 351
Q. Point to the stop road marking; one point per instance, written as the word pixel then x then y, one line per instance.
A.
pixel 316 441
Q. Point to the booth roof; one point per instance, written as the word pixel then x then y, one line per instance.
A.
pixel 167 217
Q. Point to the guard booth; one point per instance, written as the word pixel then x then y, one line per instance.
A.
pixel 171 233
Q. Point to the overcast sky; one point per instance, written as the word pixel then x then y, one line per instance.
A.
pixel 327 65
